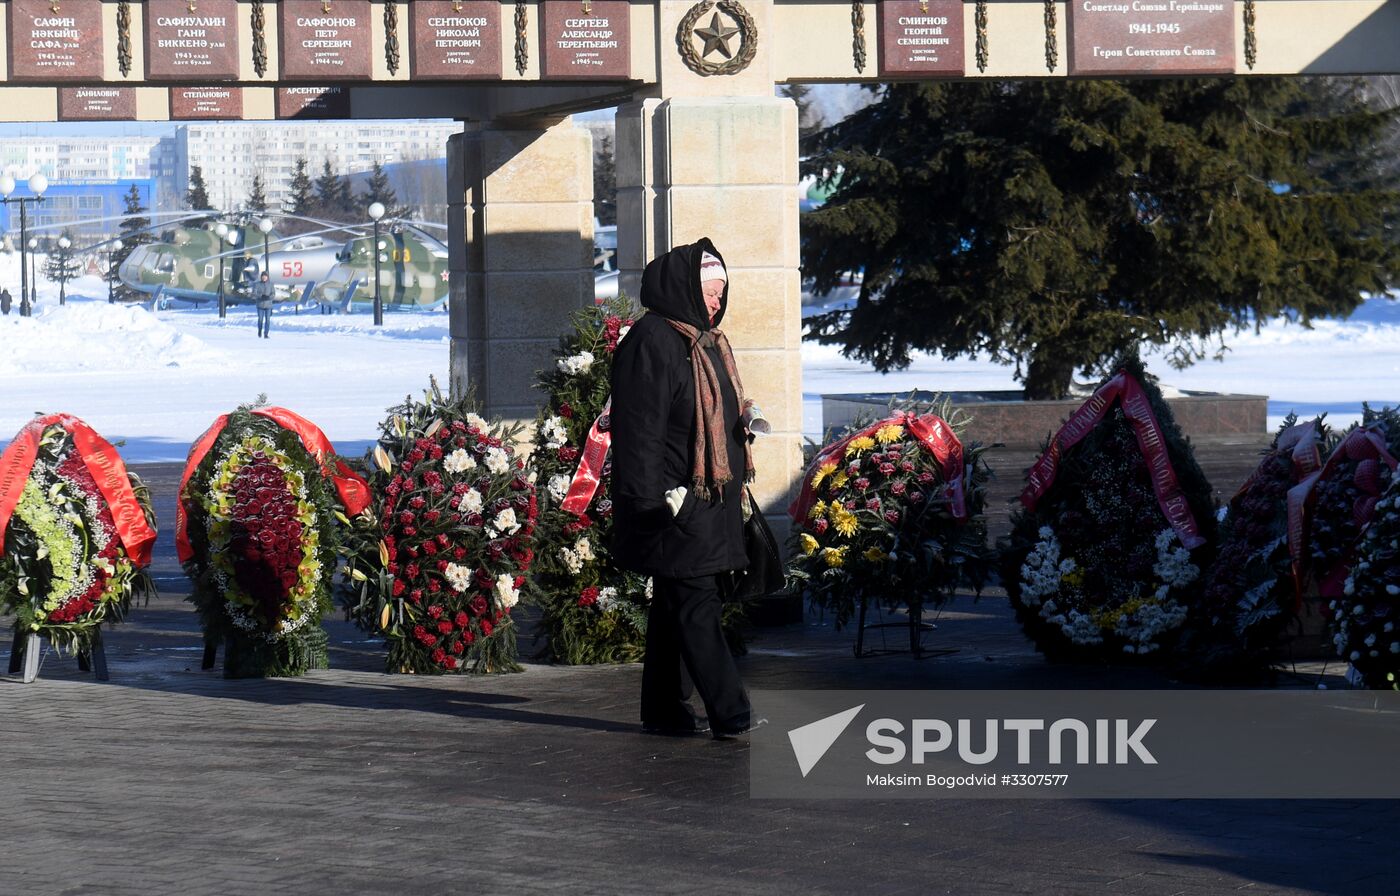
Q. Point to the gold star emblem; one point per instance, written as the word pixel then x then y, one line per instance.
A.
pixel 192 6
pixel 54 5
pixel 325 6
pixel 716 37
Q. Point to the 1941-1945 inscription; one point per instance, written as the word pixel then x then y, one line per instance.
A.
pixel 1167 37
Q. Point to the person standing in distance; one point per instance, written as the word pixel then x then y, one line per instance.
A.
pixel 680 460
pixel 264 295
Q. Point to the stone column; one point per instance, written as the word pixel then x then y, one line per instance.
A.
pixel 521 240
pixel 726 168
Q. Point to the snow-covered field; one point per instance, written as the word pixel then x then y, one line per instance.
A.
pixel 156 379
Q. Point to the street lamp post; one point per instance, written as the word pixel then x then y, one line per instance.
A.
pixel 34 272
pixel 37 185
pixel 221 231
pixel 376 211
pixel 64 244
pixel 265 225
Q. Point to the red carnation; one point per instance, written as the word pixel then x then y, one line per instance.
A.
pixel 486 627
pixel 435 611
pixel 398 587
pixel 445 626
pixel 439 655
pixel 588 597
pixel 568 454
pixel 820 525
pixel 462 619
pixel 566 411
pixel 862 483
pixel 458 647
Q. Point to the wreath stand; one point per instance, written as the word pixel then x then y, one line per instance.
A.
pixel 916 626
pixel 24 654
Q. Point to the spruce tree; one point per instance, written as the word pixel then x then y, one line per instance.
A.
pixel 299 200
pixel 257 196
pixel 1054 224
pixel 197 196
pixel 62 265
pixel 134 231
pixel 604 182
pixel 379 189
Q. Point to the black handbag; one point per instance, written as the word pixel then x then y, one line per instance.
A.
pixel 765 574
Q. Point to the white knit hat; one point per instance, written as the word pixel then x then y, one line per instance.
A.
pixel 712 268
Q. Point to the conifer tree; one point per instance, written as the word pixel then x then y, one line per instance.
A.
pixel 1054 224
pixel 378 188
pixel 299 200
pixel 134 232
pixel 257 196
pixel 197 196
pixel 62 265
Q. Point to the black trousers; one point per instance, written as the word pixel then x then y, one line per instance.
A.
pixel 685 646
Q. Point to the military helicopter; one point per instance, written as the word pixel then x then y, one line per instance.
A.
pixel 412 271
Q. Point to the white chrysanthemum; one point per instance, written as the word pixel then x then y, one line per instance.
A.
pixel 607 599
pixel 584 548
pixel 507 595
pixel 1173 564
pixel 505 522
pixel 558 487
pixel 459 461
pixel 497 461
pixel 572 561
pixel 477 423
pixel 576 364
pixel 459 577
pixel 555 435
pixel 471 501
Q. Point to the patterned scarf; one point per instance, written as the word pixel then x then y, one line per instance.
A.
pixel 710 471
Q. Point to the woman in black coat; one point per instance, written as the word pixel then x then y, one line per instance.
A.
pixel 680 461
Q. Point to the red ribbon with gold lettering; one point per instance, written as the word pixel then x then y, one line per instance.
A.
pixel 1369 444
pixel 102 461
pixel 589 474
pixel 1137 407
pixel 933 433
pixel 353 490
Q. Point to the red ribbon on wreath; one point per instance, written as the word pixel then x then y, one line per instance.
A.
pixel 1125 389
pixel 932 432
pixel 101 460
pixel 353 490
pixel 1304 442
pixel 1361 444
pixel 589 474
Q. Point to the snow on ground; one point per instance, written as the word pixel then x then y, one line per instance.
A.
pixel 1333 367
pixel 156 379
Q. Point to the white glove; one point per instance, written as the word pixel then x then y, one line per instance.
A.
pixel 675 498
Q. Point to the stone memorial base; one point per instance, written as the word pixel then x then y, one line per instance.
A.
pixel 1005 418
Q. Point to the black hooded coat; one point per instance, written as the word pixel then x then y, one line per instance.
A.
pixel 653 433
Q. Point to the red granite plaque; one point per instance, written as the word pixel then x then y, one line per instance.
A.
pixel 206 103
pixel 326 46
pixel 55 46
pixel 97 104
pixel 313 102
pixel 183 46
pixel 1151 37
pixel 919 40
pixel 585 40
pixel 460 40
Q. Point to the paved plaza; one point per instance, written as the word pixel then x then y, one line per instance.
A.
pixel 169 779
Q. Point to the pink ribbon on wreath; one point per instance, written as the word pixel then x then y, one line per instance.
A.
pixel 589 474
pixel 1369 444
pixel 1137 407
pixel 932 431
pixel 352 489
pixel 101 460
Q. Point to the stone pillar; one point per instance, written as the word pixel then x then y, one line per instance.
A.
pixel 521 240
pixel 726 168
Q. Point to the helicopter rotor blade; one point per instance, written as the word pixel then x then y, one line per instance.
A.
pixel 277 242
pixel 178 216
pixel 128 235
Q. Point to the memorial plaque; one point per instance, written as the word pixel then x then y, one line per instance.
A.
pixel 313 102
pixel 456 40
pixel 206 103
pixel 45 45
pixel 1151 37
pixel 585 40
pixel 97 104
pixel 921 38
pixel 323 45
pixel 191 45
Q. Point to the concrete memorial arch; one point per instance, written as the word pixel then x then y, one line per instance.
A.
pixel 704 148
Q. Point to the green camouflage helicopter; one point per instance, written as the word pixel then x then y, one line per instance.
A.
pixel 412 272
